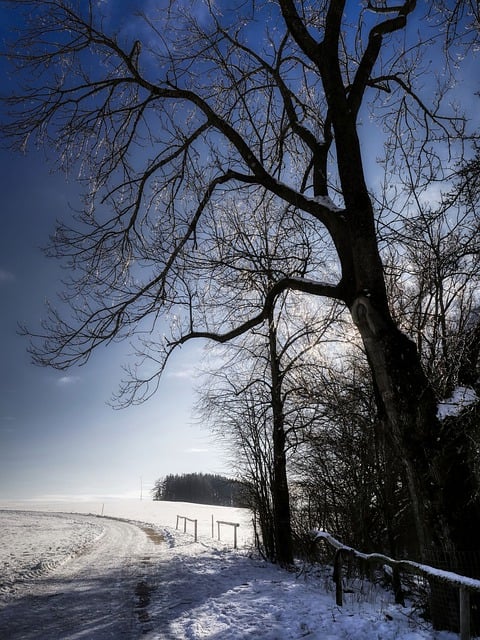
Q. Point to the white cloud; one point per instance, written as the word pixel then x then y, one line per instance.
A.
pixel 66 380
pixel 195 450
pixel 187 373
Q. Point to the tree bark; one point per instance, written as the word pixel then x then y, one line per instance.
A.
pixel 435 455
pixel 405 398
pixel 280 490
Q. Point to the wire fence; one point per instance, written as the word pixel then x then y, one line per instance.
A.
pixel 452 598
pixel 444 600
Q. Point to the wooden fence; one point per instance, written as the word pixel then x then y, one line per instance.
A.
pixel 235 526
pixel 464 584
pixel 185 520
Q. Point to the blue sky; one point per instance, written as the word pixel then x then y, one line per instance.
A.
pixel 57 433
pixel 58 436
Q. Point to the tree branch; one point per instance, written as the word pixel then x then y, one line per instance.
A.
pixel 296 284
pixel 372 51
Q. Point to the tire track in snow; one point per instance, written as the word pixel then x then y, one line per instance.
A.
pixel 34 544
pixel 102 593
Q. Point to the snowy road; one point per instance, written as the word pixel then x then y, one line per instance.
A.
pixel 66 576
pixel 103 592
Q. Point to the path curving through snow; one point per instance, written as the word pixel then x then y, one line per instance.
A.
pixel 66 576
pixel 100 587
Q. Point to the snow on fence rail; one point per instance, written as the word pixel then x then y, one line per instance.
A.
pixel 463 583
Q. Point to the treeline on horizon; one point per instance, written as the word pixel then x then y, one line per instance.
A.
pixel 201 488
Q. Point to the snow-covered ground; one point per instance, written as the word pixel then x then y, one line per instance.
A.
pixel 131 574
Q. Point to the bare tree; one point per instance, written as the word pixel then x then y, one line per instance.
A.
pixel 347 477
pixel 259 98
pixel 235 410
pixel 252 405
pixel 433 277
pixel 260 377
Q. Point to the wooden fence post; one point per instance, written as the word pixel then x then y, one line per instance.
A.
pixel 337 577
pixel 464 585
pixel 195 525
pixel 235 526
pixel 464 613
pixel 397 586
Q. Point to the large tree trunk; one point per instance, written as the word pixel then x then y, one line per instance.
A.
pixel 437 456
pixel 281 500
pixel 443 493
pixel 435 471
pixel 280 490
pixel 406 400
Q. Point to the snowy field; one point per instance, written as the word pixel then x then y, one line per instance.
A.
pixel 66 572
